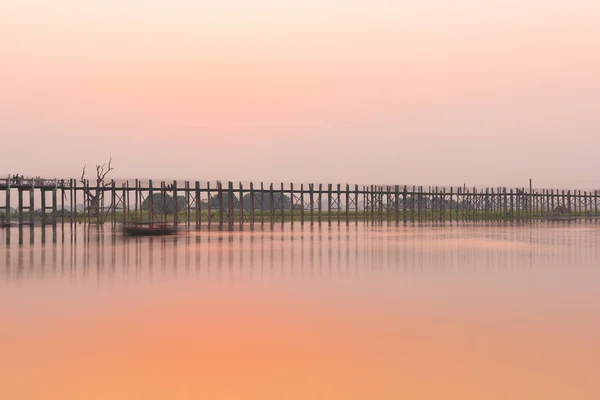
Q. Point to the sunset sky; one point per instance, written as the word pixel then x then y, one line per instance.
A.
pixel 420 92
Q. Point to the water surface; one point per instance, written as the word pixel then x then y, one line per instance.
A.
pixel 345 312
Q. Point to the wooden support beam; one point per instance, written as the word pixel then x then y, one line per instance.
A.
pixel 230 200
pixel 339 203
pixel 198 204
pixel 220 203
pixel 271 205
pixel 113 201
pixel 281 200
pixel 188 204
pixel 71 202
pixel 252 204
pixel 150 202
pixel 302 204
pixel 31 204
pixel 241 204
pixel 320 205
pixel 311 196
pixel 347 204
pixel 292 201
pixel 329 198
pixel 262 204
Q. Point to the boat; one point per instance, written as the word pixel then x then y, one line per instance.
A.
pixel 561 218
pixel 148 228
pixel 5 223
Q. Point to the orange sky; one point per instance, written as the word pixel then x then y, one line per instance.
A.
pixel 392 92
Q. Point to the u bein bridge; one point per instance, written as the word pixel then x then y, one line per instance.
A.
pixel 227 205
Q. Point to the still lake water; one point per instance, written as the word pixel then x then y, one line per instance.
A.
pixel 329 312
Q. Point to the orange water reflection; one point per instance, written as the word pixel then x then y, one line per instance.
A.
pixel 334 312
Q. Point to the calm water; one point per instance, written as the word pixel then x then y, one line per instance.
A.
pixel 340 312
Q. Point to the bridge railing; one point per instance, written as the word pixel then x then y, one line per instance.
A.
pixel 36 182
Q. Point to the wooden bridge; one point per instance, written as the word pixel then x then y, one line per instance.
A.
pixel 227 205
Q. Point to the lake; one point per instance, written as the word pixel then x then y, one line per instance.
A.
pixel 360 311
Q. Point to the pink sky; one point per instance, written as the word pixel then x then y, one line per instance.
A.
pixel 469 92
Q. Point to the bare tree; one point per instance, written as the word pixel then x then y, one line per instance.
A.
pixel 94 197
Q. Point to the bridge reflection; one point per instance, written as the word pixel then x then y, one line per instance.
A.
pixel 310 252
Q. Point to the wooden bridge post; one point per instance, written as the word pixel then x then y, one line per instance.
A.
pixel 140 190
pixel 136 200
pixel 43 203
pixel 486 196
pixel 356 203
pixel 505 204
pixel 547 198
pixel 71 204
pixel 252 204
pixel 405 205
pixel 188 211
pixel 210 204
pixel 320 205
pixel 220 203
pixel 262 204
pixel 379 195
pixel 370 201
pixel 420 205
pixel 458 203
pixel 374 204
pixel 382 195
pixel 512 205
pixel 388 203
pixel 241 204
pixel 365 210
pixel 347 204
pixel 329 203
pixel 7 198
pixel 62 203
pixel 339 203
pixel 113 202
pixel 302 204
pixel 54 204
pixel 125 204
pixel 100 194
pixel 311 197
pixel 230 220
pixel 271 205
pixel 413 204
pixel 150 202
pixel 175 205
pixel 450 204
pixel 198 204
pixel 86 196
pixel 443 205
pixel 397 204
pixel 281 199
pixel 20 193
pixel 75 199
pixel 292 201
pixel 31 203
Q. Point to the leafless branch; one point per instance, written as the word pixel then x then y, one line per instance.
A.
pixel 82 180
pixel 103 170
